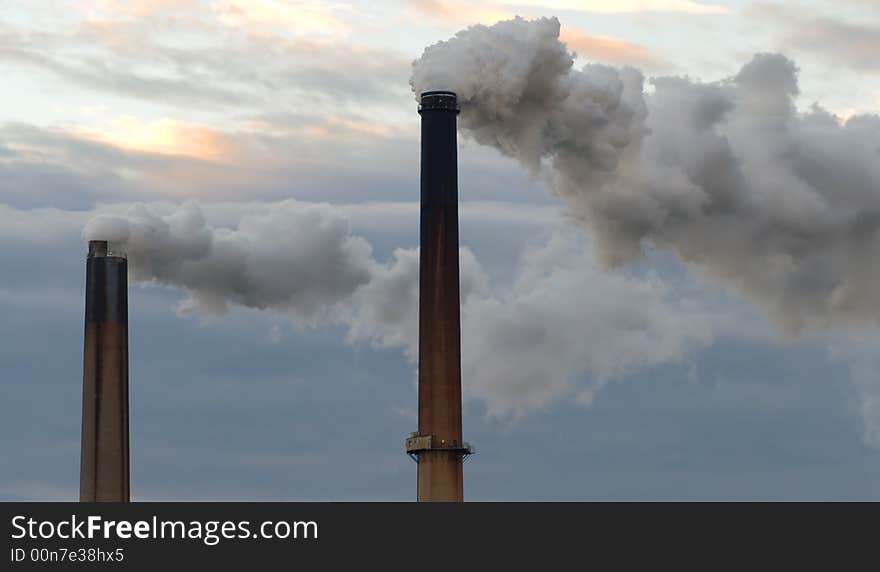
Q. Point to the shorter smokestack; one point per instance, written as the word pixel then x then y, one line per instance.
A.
pixel 104 456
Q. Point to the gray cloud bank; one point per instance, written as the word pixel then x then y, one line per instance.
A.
pixel 192 60
pixel 779 205
pixel 563 328
pixel 837 37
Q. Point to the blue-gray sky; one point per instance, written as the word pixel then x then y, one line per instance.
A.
pixel 295 122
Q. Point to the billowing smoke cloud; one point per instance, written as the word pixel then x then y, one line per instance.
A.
pixel 298 258
pixel 781 206
pixel 520 94
pixel 566 327
pixel 563 328
pixel 388 307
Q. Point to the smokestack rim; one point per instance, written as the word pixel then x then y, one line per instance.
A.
pixel 103 249
pixel 98 248
pixel 439 99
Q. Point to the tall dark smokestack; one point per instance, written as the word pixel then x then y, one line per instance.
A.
pixel 438 446
pixel 104 459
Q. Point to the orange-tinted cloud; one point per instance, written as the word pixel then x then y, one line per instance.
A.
pixel 165 137
pixel 460 12
pixel 129 9
pixel 608 50
pixel 624 6
pixel 589 47
pixel 341 127
pixel 490 11
pixel 302 18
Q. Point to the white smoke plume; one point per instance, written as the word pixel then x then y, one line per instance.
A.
pixel 780 205
pixel 563 328
pixel 300 259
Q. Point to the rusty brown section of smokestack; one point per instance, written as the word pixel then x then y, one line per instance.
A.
pixel 438 445
pixel 104 456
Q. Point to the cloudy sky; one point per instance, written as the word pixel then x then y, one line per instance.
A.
pixel 668 260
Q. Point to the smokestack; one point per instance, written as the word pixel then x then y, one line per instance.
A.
pixel 104 458
pixel 437 446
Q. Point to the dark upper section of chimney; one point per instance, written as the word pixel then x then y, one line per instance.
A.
pixel 439 100
pixel 106 284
